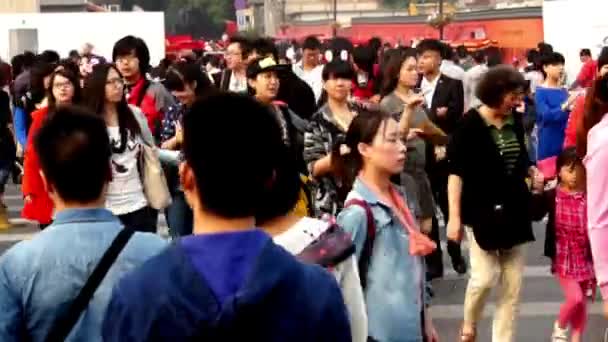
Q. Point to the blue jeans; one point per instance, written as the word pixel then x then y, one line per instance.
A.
pixel 179 216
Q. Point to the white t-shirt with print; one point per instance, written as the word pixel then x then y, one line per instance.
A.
pixel 125 192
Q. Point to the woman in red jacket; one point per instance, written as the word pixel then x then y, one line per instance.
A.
pixel 63 89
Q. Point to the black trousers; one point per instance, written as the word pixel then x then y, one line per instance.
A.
pixel 142 220
pixel 439 183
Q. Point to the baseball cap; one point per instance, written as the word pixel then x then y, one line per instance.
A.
pixel 264 64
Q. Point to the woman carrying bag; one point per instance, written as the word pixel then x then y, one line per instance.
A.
pixel 138 188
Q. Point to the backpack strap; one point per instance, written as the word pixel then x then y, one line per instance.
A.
pixel 64 324
pixel 368 245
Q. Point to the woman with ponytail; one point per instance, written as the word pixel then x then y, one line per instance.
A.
pixel 592 143
pixel 381 222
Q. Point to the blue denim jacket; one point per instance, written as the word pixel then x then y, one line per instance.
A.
pixel 39 278
pixel 395 279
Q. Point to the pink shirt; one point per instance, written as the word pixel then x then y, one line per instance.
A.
pixel 596 162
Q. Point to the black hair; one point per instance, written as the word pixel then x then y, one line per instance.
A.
pixel 17 65
pixel 392 68
pixel 29 58
pixel 244 43
pixel 375 43
pixel 363 129
pixel 602 58
pixel 448 52
pixel 494 56
pixel 69 65
pixel 130 44
pixel 498 82
pixel 37 90
pixel 338 69
pixel 73 78
pixel 187 72
pixel 365 58
pixel 568 157
pixel 73 54
pixel 430 45
pixel 214 60
pixel 462 51
pixel 95 100
pixel 479 57
pixel 544 48
pixel 311 43
pixel 585 52
pixel 74 151
pixel 335 69
pixel 49 56
pixel 265 47
pixel 255 137
pixel 553 58
pixel 5 74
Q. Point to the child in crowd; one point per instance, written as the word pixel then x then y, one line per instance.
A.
pixel 567 244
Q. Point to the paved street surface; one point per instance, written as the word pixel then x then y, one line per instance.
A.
pixel 541 296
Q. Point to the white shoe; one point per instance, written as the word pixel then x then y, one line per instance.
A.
pixel 559 334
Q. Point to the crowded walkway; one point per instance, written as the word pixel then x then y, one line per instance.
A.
pixel 351 172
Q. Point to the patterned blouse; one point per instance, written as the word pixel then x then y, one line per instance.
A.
pixel 322 135
pixel 573 251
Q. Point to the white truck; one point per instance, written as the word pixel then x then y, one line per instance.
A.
pixel 63 32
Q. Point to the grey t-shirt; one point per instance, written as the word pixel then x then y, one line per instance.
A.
pixel 416 154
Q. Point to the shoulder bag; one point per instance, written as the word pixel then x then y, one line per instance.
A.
pixel 64 324
pixel 153 178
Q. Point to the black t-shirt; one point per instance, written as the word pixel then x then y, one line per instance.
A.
pixel 7 144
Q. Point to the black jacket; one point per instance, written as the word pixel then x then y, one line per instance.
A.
pixel 448 93
pixel 545 205
pixel 222 79
pixel 497 205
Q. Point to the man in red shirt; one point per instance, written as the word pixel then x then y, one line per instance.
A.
pixel 588 70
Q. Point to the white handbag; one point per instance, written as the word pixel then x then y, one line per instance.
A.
pixel 153 178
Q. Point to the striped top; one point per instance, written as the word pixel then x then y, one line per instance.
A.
pixel 507 143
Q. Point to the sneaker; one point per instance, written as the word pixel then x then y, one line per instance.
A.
pixel 559 334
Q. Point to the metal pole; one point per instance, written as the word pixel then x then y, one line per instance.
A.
pixel 441 19
pixel 335 24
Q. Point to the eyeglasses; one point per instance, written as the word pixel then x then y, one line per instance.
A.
pixel 62 85
pixel 125 59
pixel 117 82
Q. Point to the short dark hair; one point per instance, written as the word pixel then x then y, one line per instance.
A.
pixel 130 44
pixel 265 47
pixel 228 185
pixel 479 56
pixel 544 48
pixel 602 58
pixel 73 54
pixel 568 157
pixel 188 72
pixel 585 52
pixel 498 82
pixel 553 58
pixel 462 51
pixel 28 59
pixel 430 45
pixel 365 58
pixel 74 152
pixel 311 43
pixel 448 52
pixel 337 69
pixel 244 43
pixel 49 56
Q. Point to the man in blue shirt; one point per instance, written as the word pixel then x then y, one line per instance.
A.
pixel 228 281
pixel 40 278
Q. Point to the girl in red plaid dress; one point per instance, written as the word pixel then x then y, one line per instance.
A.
pixel 567 243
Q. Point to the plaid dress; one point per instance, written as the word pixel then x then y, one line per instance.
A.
pixel 573 252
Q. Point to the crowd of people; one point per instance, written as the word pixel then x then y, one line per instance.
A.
pixel 304 200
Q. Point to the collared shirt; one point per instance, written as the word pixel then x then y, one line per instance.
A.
pixel 506 141
pixel 395 295
pixel 428 89
pixel 451 70
pixel 471 79
pixel 39 278
pixel 314 78
pixel 237 84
